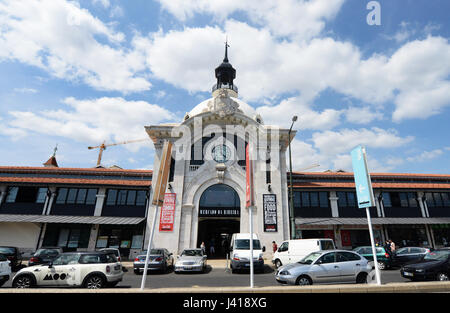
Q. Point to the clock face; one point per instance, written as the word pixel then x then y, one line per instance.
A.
pixel 221 153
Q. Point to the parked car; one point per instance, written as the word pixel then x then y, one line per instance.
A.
pixel 5 269
pixel 45 255
pixel 335 266
pixel 435 265
pixel 160 259
pixel 384 259
pixel 240 252
pixel 408 255
pixel 292 251
pixel 13 255
pixel 191 260
pixel 91 270
pixel 115 251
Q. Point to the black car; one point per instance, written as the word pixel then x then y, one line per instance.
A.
pixel 45 255
pixel 13 255
pixel 408 255
pixel 433 266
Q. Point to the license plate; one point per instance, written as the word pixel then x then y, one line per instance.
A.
pixel 187 268
pixel 408 274
pixel 247 265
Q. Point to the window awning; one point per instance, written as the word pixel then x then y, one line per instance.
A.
pixel 63 219
pixel 375 221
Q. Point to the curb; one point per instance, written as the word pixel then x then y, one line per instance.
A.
pixel 422 287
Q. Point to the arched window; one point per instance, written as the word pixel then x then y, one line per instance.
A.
pixel 220 196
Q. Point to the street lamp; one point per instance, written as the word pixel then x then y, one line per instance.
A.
pixel 291 200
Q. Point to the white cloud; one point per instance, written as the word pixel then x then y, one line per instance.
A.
pixel 95 120
pixel 291 18
pixel 281 115
pixel 25 90
pixel 63 41
pixel 332 143
pixel 362 115
pixel 104 3
pixel 425 156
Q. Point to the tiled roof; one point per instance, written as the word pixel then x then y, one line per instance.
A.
pixel 61 170
pixel 373 175
pixel 374 185
pixel 76 181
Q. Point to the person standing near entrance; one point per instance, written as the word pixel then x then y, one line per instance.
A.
pixel 211 248
pixel 203 247
pixel 392 244
pixel 274 246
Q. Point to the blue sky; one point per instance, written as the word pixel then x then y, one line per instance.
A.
pixel 76 73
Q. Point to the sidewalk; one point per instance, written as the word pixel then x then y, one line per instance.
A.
pixel 422 287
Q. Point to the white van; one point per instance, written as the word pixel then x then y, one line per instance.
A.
pixel 292 251
pixel 240 252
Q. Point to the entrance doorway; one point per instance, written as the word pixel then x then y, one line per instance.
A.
pixel 219 217
pixel 217 232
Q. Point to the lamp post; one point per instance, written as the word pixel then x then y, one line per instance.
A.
pixel 291 200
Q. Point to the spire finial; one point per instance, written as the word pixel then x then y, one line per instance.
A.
pixel 54 150
pixel 226 49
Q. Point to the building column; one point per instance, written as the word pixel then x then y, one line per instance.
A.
pixel 430 238
pixel 334 204
pixel 41 239
pixel 422 204
pixel 185 227
pixel 378 203
pixel 101 195
pixel 93 237
pixel 51 201
pixel 3 192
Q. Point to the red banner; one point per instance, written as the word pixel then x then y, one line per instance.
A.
pixel 346 238
pixel 250 201
pixel 167 212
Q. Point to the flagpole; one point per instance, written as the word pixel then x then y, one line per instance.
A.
pixel 152 231
pixel 250 211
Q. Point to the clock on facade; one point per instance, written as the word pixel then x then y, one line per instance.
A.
pixel 221 153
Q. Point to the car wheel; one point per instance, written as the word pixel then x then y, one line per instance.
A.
pixel 278 263
pixel 2 282
pixel 382 266
pixel 361 278
pixel 23 281
pixel 303 281
pixel 442 277
pixel 94 282
pixel 137 272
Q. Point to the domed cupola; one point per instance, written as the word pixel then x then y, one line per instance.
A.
pixel 225 74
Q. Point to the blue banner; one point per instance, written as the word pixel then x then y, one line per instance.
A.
pixel 363 184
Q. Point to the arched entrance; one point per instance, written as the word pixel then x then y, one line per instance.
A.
pixel 218 218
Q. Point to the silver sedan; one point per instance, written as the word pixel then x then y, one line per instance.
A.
pixel 191 260
pixel 330 266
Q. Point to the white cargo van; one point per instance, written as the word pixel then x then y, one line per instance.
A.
pixel 292 251
pixel 240 252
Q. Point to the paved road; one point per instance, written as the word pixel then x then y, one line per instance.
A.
pixel 216 277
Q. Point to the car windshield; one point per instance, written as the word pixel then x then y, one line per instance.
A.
pixel 7 250
pixel 153 251
pixel 440 255
pixel 244 244
pixel 192 253
pixel 310 258
pixel 65 259
pixel 47 252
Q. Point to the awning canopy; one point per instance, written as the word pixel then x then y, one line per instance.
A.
pixel 63 219
pixel 375 221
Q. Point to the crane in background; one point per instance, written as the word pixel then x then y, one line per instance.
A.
pixel 103 146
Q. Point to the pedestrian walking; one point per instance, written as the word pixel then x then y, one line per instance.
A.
pixel 387 247
pixel 392 244
pixel 203 247
pixel 274 246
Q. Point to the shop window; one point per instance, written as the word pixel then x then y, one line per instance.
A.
pixel 387 203
pixel 26 195
pixel 80 196
pixel 127 197
pixel 437 199
pixel 346 199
